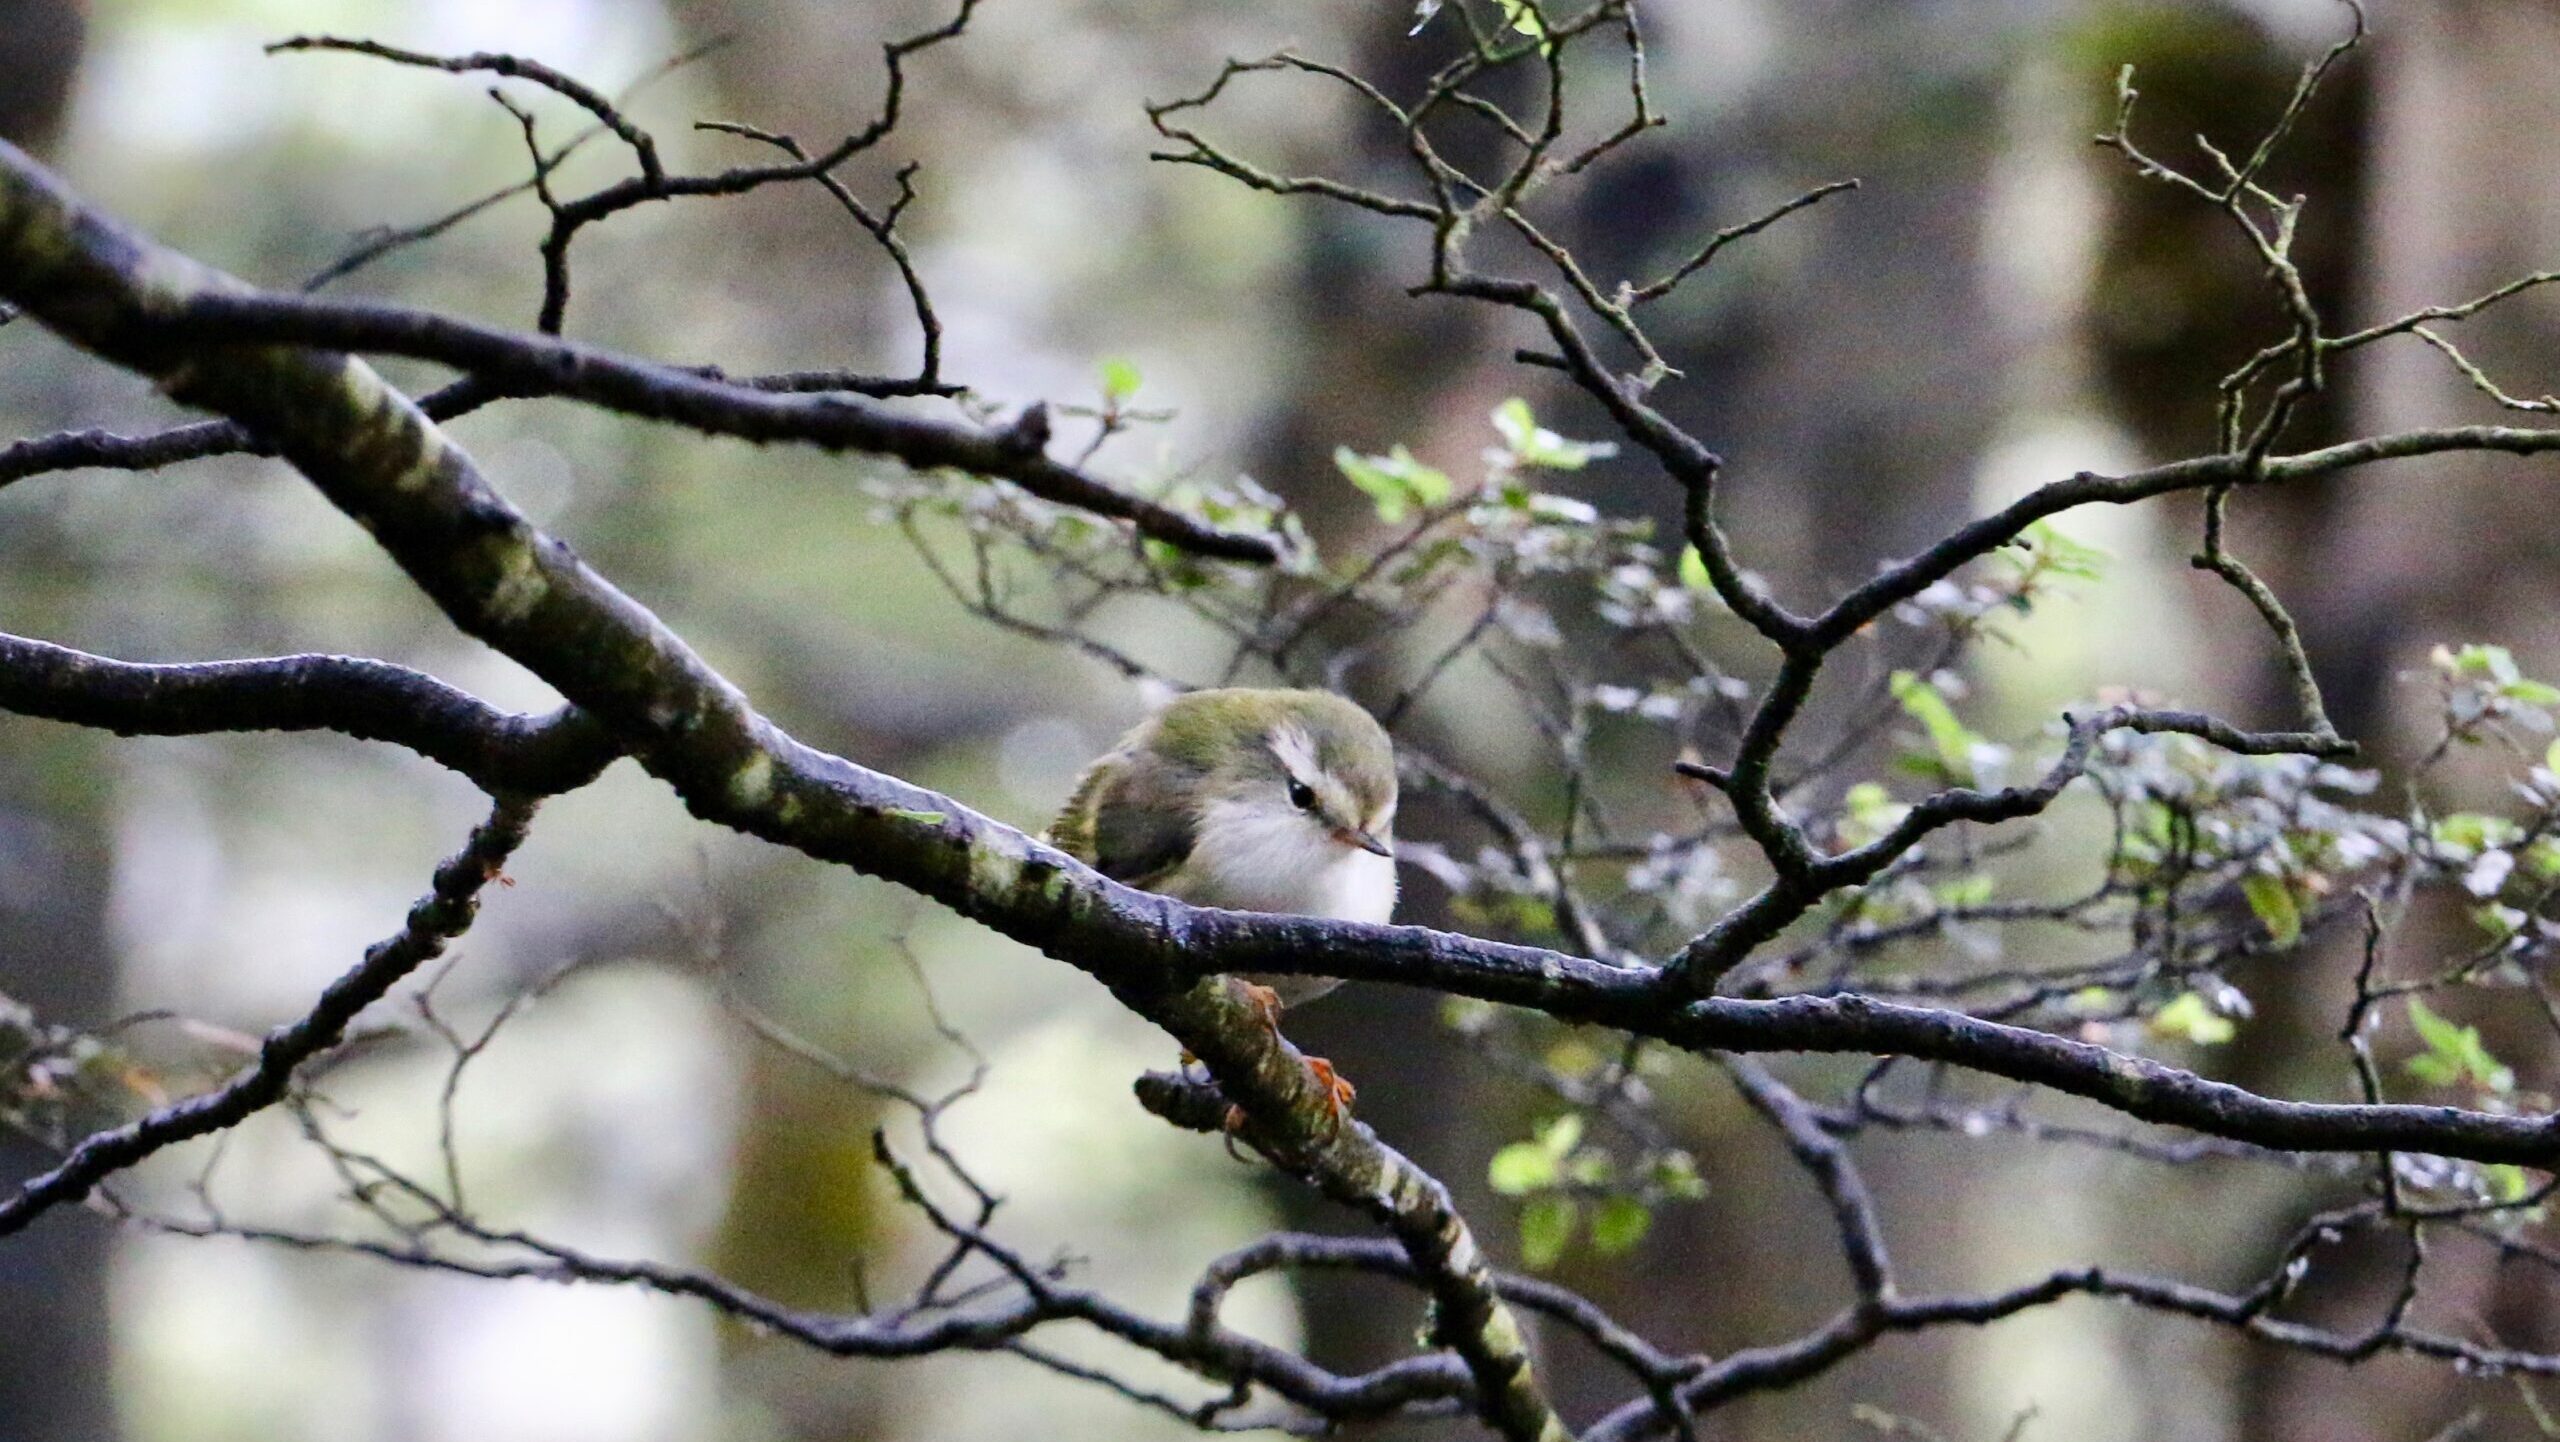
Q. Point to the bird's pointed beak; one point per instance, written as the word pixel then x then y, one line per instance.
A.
pixel 1366 841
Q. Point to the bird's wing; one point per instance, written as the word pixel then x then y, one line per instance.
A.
pixel 1124 821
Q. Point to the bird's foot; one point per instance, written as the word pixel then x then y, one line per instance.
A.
pixel 1265 1002
pixel 1339 1093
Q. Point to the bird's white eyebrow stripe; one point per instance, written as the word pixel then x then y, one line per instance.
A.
pixel 1296 750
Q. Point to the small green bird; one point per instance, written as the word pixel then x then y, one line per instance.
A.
pixel 1252 800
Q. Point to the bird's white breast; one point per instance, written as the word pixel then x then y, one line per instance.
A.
pixel 1262 858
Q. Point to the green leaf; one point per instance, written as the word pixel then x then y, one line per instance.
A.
pixel 1546 1229
pixel 1180 568
pixel 1429 486
pixel 2042 555
pixel 1119 380
pixel 2542 858
pixel 1562 1135
pixel 2531 692
pixel 1534 445
pixel 1868 811
pixel 1563 510
pixel 2502 922
pixel 2495 662
pixel 1676 1174
pixel 1544 1160
pixel 1521 1168
pixel 1948 737
pixel 2454 1053
pixel 1571 1056
pixel 1396 482
pixel 2507 1183
pixel 1869 804
pixel 2471 831
pixel 1467 1016
pixel 2434 1070
pixel 1966 891
pixel 2093 1000
pixel 2191 1018
pixel 2433 1028
pixel 2271 898
pixel 1618 1224
pixel 1693 574
pixel 1523 17
pixel 2064 556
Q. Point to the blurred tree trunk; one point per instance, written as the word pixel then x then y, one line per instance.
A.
pixel 2459 199
pixel 2419 194
pixel 54 871
pixel 40 43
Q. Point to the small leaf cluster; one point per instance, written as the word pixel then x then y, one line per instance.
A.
pixel 2454 1054
pixel 52 1076
pixel 1955 755
pixel 1570 1187
pixel 2482 684
pixel 2284 831
pixel 2043 563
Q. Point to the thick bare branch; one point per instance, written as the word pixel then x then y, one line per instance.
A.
pixel 542 365
pixel 366 699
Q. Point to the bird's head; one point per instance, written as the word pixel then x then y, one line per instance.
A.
pixel 1288 759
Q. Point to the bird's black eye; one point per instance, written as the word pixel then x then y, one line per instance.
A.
pixel 1301 795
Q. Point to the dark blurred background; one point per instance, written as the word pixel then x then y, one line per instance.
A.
pixel 2000 305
